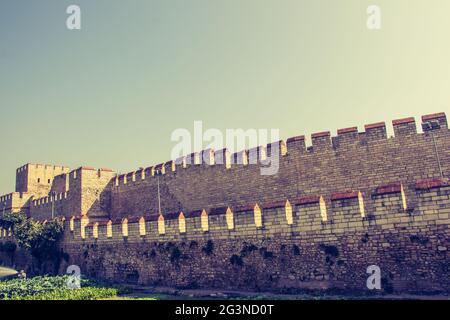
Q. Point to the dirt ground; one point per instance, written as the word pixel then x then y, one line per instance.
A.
pixel 174 294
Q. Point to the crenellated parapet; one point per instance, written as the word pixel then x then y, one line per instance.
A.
pixel 348 160
pixel 58 203
pixel 85 189
pixel 306 215
pixel 15 202
pixel 37 179
pixel 346 137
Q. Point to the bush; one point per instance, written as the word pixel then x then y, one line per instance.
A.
pixel 8 247
pixel 40 239
pixel 209 248
pixel 20 288
pixel 87 293
pixel 10 220
pixel 329 250
pixel 175 255
pixel 236 260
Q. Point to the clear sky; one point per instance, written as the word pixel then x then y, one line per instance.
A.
pixel 110 94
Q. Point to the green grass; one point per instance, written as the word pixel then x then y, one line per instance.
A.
pixel 132 298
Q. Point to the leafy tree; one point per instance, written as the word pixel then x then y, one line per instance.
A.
pixel 10 220
pixel 8 248
pixel 40 239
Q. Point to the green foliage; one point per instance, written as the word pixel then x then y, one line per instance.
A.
pixel 38 238
pixel 236 260
pixel 266 254
pixel 151 297
pixel 8 247
pixel 248 249
pixel 330 250
pixel 193 245
pixel 419 239
pixel 52 288
pixel 209 248
pixel 24 287
pixel 296 250
pixel 88 293
pixel 34 235
pixel 175 255
pixel 10 220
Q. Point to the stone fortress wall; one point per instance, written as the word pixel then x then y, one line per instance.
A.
pixel 351 160
pixel 333 208
pixel 284 246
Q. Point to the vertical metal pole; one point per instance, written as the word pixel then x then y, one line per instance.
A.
pixel 437 155
pixel 53 206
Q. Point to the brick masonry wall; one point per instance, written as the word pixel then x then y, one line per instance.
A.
pixel 349 161
pixel 60 183
pixel 41 208
pixel 87 194
pixel 410 246
pixel 384 203
pixel 15 202
pixel 96 194
pixel 37 179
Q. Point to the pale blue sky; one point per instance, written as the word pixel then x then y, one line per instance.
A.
pixel 110 94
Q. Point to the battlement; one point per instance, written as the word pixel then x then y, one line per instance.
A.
pixel 29 166
pixel 45 200
pixel 321 141
pixel 59 190
pixel 349 160
pixel 13 195
pixel 58 203
pixel 37 179
pixel 15 202
pixel 284 217
pixel 354 159
pixel 99 172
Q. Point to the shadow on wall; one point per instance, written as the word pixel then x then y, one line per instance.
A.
pixel 99 202
pixel 141 198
